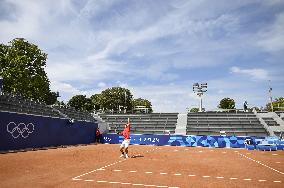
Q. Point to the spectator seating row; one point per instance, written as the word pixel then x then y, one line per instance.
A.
pixel 18 104
pixel 154 123
pixel 72 113
pixel 232 123
pixel 270 121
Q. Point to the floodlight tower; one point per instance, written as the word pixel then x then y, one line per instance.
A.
pixel 270 95
pixel 199 89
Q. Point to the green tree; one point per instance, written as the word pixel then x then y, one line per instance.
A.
pixel 227 103
pixel 278 105
pixel 81 103
pixel 22 68
pixel 194 110
pixel 51 98
pixel 96 100
pixel 142 102
pixel 113 98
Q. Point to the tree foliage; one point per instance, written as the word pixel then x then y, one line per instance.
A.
pixel 142 102
pixel 22 68
pixel 113 98
pixel 109 100
pixel 81 103
pixel 194 110
pixel 96 100
pixel 278 105
pixel 227 103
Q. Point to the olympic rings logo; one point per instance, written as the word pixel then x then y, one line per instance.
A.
pixel 20 129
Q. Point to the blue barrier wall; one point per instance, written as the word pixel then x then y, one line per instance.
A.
pixel 19 131
pixel 189 140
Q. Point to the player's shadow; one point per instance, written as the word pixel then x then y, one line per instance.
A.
pixel 137 156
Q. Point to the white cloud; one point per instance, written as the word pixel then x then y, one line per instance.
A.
pixel 258 74
pixel 149 47
pixel 271 39
pixel 101 84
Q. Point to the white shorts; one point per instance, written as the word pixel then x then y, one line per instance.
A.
pixel 125 143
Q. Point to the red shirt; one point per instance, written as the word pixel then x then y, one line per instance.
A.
pixel 126 131
pixel 98 132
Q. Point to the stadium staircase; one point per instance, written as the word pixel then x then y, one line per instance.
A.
pixel 272 121
pixel 154 123
pixel 230 123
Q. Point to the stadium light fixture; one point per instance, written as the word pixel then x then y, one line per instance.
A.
pixel 270 95
pixel 199 89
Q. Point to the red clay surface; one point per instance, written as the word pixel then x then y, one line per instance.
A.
pixel 152 166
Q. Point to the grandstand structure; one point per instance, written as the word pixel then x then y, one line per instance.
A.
pixel 153 123
pixel 230 123
pixel 19 104
pixel 237 123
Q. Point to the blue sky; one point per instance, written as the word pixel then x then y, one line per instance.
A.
pixel 157 49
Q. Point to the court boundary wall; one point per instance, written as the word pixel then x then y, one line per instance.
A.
pixel 197 141
pixel 22 131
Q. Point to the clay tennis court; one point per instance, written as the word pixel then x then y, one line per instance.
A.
pixel 150 166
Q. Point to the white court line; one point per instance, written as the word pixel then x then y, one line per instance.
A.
pixel 191 175
pixel 163 173
pixel 102 168
pixel 133 171
pixel 114 182
pixel 148 172
pixel 261 180
pixel 146 185
pixel 177 174
pixel 117 170
pixel 261 163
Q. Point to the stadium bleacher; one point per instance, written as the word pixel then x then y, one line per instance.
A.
pixel 74 114
pixel 18 104
pixel 270 121
pixel 232 123
pixel 154 123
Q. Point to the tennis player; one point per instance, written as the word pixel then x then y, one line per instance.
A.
pixel 124 145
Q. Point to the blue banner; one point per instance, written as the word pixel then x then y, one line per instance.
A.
pixel 186 140
pixel 20 131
